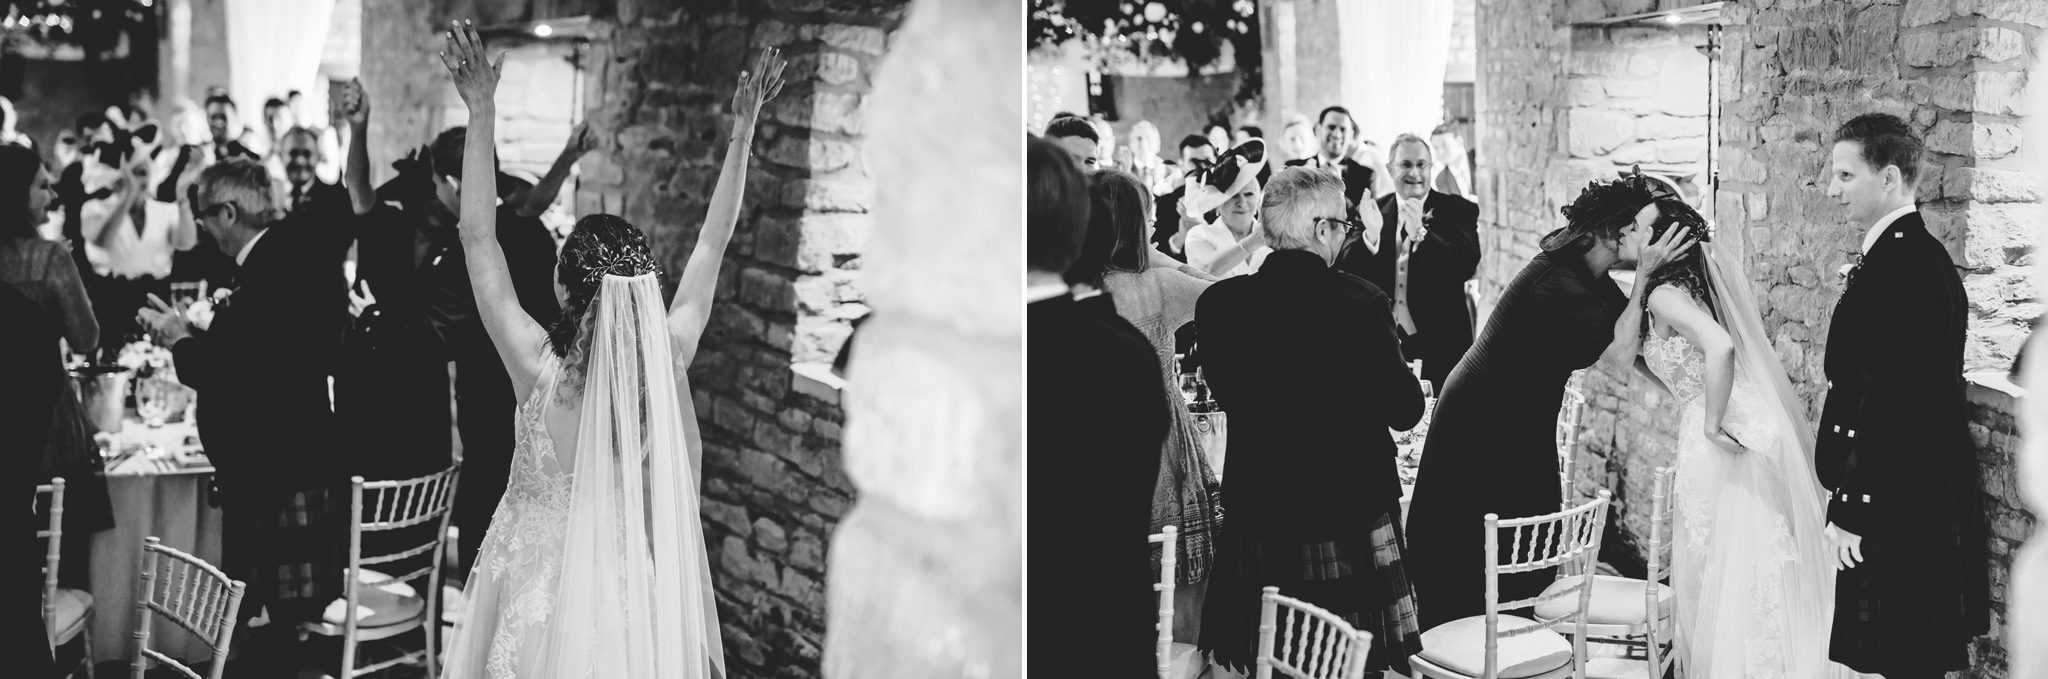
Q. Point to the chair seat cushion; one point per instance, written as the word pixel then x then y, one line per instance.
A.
pixel 1616 601
pixel 69 616
pixel 1460 645
pixel 390 603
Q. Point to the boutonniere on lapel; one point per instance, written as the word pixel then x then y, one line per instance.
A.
pixel 1848 271
pixel 201 312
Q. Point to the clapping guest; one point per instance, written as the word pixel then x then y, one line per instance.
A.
pixel 1338 132
pixel 1096 405
pixel 1305 359
pixel 1233 244
pixel 1157 295
pixel 261 372
pixel 1170 236
pixel 1297 140
pixel 1424 252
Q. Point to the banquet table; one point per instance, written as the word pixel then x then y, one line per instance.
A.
pixel 160 493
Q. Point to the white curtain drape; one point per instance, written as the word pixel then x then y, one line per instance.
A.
pixel 1394 53
pixel 274 46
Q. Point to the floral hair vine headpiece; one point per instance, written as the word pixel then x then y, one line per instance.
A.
pixel 623 262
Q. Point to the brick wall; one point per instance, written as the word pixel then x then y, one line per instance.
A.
pixel 1789 73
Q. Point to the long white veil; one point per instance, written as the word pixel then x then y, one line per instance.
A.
pixel 635 597
pixel 1810 597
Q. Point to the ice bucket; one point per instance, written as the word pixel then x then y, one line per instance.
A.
pixel 103 393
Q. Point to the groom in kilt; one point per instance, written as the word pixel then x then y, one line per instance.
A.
pixel 1894 447
pixel 261 371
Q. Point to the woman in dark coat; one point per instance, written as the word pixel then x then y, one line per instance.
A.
pixel 1491 446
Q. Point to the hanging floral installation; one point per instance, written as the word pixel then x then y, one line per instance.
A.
pixel 1123 33
pixel 72 29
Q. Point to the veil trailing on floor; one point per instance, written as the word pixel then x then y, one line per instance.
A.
pixel 635 596
pixel 1811 596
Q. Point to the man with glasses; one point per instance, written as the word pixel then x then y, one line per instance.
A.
pixel 1306 360
pixel 1421 256
pixel 261 369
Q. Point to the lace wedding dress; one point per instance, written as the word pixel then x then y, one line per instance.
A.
pixel 1754 587
pixel 595 566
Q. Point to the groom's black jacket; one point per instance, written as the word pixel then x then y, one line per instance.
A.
pixel 261 369
pixel 1894 449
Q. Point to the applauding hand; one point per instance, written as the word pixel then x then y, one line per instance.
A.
pixel 476 75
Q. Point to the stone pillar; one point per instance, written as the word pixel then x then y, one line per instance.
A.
pixel 1302 70
pixel 925 578
pixel 410 94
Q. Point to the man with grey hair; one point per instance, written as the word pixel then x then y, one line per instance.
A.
pixel 261 365
pixel 1425 250
pixel 1305 359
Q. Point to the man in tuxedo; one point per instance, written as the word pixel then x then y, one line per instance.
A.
pixel 224 121
pixel 261 370
pixel 1169 229
pixel 1339 134
pixel 1305 359
pixel 485 404
pixel 1422 255
pixel 1894 447
pixel 1097 403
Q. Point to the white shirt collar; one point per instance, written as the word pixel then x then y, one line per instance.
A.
pixel 243 256
pixel 1885 222
pixel 1044 291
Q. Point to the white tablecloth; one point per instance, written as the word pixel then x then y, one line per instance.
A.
pixel 170 506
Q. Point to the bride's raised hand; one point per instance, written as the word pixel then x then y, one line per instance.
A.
pixel 758 85
pixel 475 74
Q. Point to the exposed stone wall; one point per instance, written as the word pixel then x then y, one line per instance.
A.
pixel 1789 73
pixel 1638 97
pixel 926 570
pixel 775 487
pixel 1178 106
pixel 1520 97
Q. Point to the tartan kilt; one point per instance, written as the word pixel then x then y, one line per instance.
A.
pixel 290 548
pixel 1358 577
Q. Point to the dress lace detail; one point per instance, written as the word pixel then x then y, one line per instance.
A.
pixel 1673 360
pixel 1736 543
pixel 520 557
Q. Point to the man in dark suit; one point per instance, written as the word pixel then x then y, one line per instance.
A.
pixel 485 404
pixel 1098 417
pixel 1339 134
pixel 1170 230
pixel 1894 446
pixel 261 370
pixel 1305 359
pixel 1426 250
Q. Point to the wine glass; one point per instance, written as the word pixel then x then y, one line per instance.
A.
pixel 185 293
pixel 152 401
